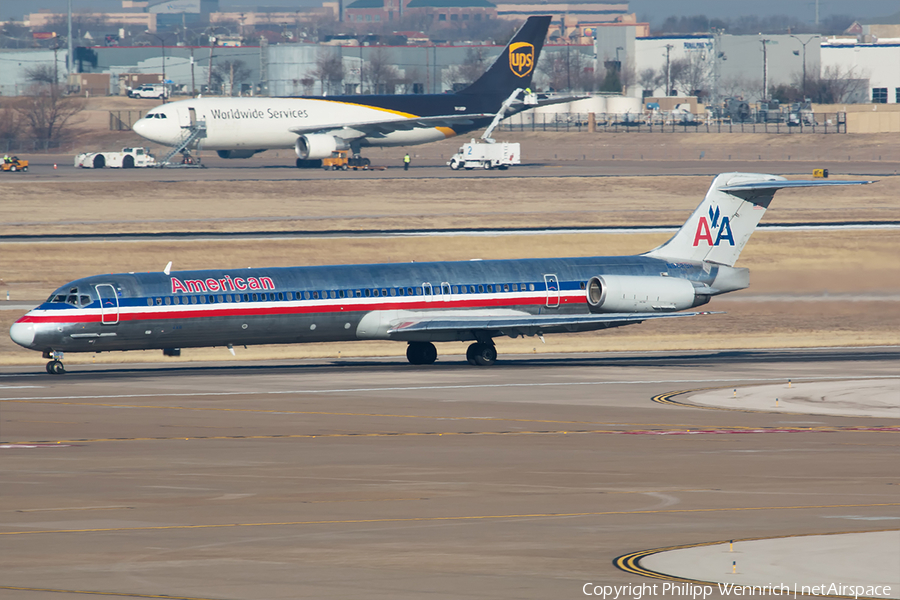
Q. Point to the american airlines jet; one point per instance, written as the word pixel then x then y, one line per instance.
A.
pixel 415 303
pixel 316 127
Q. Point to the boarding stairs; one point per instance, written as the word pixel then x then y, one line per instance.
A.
pixel 190 137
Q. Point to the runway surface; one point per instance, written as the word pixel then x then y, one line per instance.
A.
pixel 269 168
pixel 377 479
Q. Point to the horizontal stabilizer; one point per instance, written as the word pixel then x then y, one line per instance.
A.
pixel 719 228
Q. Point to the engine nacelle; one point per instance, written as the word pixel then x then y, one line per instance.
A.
pixel 319 145
pixel 628 293
pixel 236 153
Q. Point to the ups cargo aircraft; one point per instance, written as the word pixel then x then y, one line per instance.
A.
pixel 315 127
pixel 416 303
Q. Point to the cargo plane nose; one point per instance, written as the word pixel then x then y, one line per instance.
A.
pixel 158 126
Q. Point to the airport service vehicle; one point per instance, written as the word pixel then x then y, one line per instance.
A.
pixel 128 158
pixel 317 126
pixel 149 90
pixel 485 155
pixel 417 303
pixel 14 164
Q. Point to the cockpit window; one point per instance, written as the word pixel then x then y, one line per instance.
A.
pixel 85 300
pixel 72 299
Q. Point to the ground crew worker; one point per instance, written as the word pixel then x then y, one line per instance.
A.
pixel 406 162
pixel 6 158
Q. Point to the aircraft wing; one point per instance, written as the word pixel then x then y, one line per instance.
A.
pixel 524 324
pixel 379 128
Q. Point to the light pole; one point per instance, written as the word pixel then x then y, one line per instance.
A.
pixel 811 38
pixel 765 90
pixel 162 47
pixel 668 70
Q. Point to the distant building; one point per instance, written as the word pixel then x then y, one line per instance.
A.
pixel 435 12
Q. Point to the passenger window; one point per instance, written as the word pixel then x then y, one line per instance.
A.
pixel 582 285
pixel 159 301
pixel 428 291
pixel 221 298
pixel 149 301
pixel 315 295
pixel 480 289
pixel 168 301
pixel 409 291
pixel 375 293
pixel 530 287
pixel 455 290
pixel 368 293
pixel 515 287
pixel 193 299
pixel 384 292
pixel 246 297
pixel 505 287
pixel 254 297
pixel 280 296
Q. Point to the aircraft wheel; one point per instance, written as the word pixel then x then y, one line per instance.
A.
pixel 484 355
pixel 421 353
pixel 54 367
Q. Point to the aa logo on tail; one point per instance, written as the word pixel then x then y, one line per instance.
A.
pixel 705 227
pixel 521 58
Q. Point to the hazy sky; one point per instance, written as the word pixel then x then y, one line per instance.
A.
pixel 653 10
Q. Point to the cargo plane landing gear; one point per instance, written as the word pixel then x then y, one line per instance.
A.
pixel 55 366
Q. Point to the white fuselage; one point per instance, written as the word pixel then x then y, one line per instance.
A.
pixel 264 123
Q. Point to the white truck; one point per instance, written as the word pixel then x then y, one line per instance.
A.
pixel 128 158
pixel 486 155
pixel 149 90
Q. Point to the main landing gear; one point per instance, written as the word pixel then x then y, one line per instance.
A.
pixel 55 366
pixel 482 354
pixel 421 353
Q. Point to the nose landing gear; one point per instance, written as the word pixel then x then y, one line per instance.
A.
pixel 55 366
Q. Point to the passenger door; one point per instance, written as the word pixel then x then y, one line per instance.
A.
pixel 109 304
pixel 552 283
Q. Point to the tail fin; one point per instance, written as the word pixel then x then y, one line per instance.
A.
pixel 722 224
pixel 514 68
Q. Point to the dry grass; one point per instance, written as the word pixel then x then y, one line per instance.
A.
pixel 29 207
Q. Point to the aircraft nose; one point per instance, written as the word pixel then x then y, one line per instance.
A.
pixel 22 334
pixel 141 127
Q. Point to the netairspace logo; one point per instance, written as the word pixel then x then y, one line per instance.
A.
pixel 695 591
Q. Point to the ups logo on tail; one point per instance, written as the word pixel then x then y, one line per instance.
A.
pixel 521 58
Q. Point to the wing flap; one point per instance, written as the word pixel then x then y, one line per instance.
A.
pixel 524 324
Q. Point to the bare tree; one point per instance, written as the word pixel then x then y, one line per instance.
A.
pixel 329 70
pixel 569 70
pixel 470 69
pixel 690 75
pixel 379 73
pixel 48 114
pixel 230 74
pixel 10 124
pixel 650 79
pixel 836 86
pixel 42 74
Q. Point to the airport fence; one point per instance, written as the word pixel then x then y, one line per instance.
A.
pixel 9 146
pixel 821 123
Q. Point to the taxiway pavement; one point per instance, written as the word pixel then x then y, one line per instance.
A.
pixel 377 479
